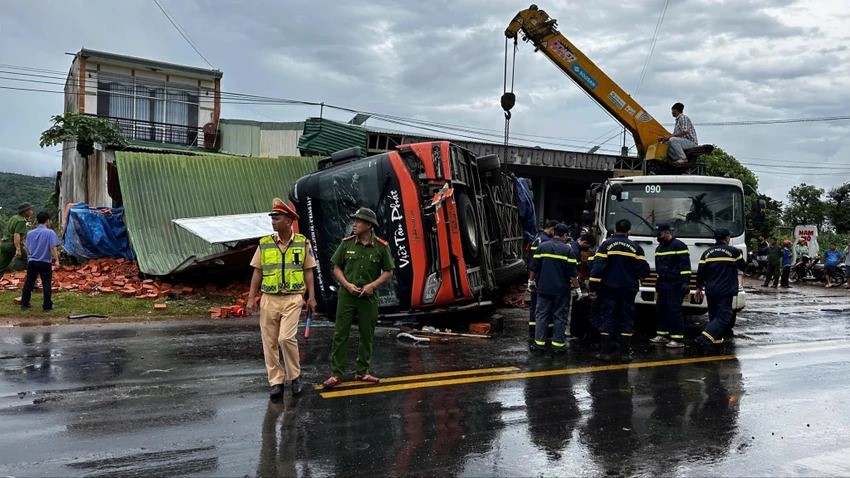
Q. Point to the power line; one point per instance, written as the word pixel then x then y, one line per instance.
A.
pixel 651 47
pixel 182 33
pixel 816 119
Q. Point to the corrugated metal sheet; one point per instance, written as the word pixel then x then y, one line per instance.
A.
pixel 240 138
pixel 260 138
pixel 160 187
pixel 323 137
pixel 279 142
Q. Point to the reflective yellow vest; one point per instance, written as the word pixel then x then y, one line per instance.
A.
pixel 283 274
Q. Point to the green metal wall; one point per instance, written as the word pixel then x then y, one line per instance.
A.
pixel 160 187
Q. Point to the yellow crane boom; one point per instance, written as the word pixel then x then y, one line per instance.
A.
pixel 542 32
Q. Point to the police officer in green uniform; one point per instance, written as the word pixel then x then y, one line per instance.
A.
pixel 12 245
pixel 361 264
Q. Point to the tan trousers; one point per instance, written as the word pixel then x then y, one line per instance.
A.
pixel 279 316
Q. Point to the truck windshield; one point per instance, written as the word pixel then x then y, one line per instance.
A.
pixel 691 210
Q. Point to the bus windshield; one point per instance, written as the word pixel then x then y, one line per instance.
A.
pixel 342 190
pixel 691 210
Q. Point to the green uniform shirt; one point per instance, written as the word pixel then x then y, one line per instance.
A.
pixel 363 263
pixel 17 225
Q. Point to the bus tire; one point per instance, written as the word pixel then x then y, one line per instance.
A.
pixel 468 228
pixel 511 273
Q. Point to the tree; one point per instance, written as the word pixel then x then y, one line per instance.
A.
pixel 85 130
pixel 722 164
pixel 805 206
pixel 838 208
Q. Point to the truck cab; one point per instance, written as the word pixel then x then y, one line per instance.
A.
pixel 693 206
pixel 451 219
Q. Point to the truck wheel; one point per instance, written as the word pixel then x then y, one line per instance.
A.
pixel 468 227
pixel 488 163
pixel 512 273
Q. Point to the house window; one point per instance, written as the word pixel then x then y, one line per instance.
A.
pixel 149 110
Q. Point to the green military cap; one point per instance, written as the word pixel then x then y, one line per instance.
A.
pixel 367 215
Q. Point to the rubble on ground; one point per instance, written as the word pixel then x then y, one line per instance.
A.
pixel 516 296
pixel 120 276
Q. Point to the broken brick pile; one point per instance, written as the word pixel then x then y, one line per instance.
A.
pixel 120 276
pixel 516 296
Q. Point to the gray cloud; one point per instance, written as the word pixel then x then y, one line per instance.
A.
pixel 443 61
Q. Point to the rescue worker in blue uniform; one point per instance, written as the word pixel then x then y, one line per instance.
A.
pixel 673 266
pixel 553 267
pixel 717 280
pixel 544 236
pixel 618 266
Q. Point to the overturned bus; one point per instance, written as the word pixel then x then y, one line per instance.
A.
pixel 454 223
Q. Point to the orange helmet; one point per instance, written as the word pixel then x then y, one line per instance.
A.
pixel 786 243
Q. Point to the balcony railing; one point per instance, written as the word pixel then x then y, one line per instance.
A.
pixel 161 132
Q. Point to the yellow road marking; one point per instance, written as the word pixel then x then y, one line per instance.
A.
pixel 407 378
pixel 518 376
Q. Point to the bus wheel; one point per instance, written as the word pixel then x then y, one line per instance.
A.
pixel 511 273
pixel 468 227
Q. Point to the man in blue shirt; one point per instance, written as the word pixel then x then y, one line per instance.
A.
pixel 41 243
pixel 831 259
pixel 787 255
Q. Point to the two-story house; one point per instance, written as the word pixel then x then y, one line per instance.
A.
pixel 155 105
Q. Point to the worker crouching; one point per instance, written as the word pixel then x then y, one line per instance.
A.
pixel 553 266
pixel 717 276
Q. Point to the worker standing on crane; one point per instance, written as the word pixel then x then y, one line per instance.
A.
pixel 684 136
pixel 544 236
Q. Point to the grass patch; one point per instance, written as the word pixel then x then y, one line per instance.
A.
pixel 113 305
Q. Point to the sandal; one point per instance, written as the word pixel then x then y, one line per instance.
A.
pixel 368 378
pixel 331 382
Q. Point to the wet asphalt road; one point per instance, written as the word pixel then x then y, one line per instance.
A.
pixel 190 399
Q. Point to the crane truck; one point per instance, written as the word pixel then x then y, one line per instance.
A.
pixel 694 206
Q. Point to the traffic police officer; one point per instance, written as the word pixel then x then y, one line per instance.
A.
pixel 553 266
pixel 673 266
pixel 283 270
pixel 361 264
pixel 618 266
pixel 544 236
pixel 718 276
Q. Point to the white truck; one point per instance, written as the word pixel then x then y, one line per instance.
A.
pixel 693 206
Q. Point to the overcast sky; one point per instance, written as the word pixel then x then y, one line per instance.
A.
pixel 442 61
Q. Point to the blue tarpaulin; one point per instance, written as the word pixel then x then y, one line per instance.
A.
pixel 96 232
pixel 526 208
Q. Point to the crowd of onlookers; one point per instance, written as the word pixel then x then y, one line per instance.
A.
pixel 780 261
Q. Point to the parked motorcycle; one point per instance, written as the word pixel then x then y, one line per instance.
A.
pixel 755 267
pixel 812 270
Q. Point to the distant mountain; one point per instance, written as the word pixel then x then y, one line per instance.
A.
pixel 17 188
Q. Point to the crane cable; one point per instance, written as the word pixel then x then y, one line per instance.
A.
pixel 508 97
